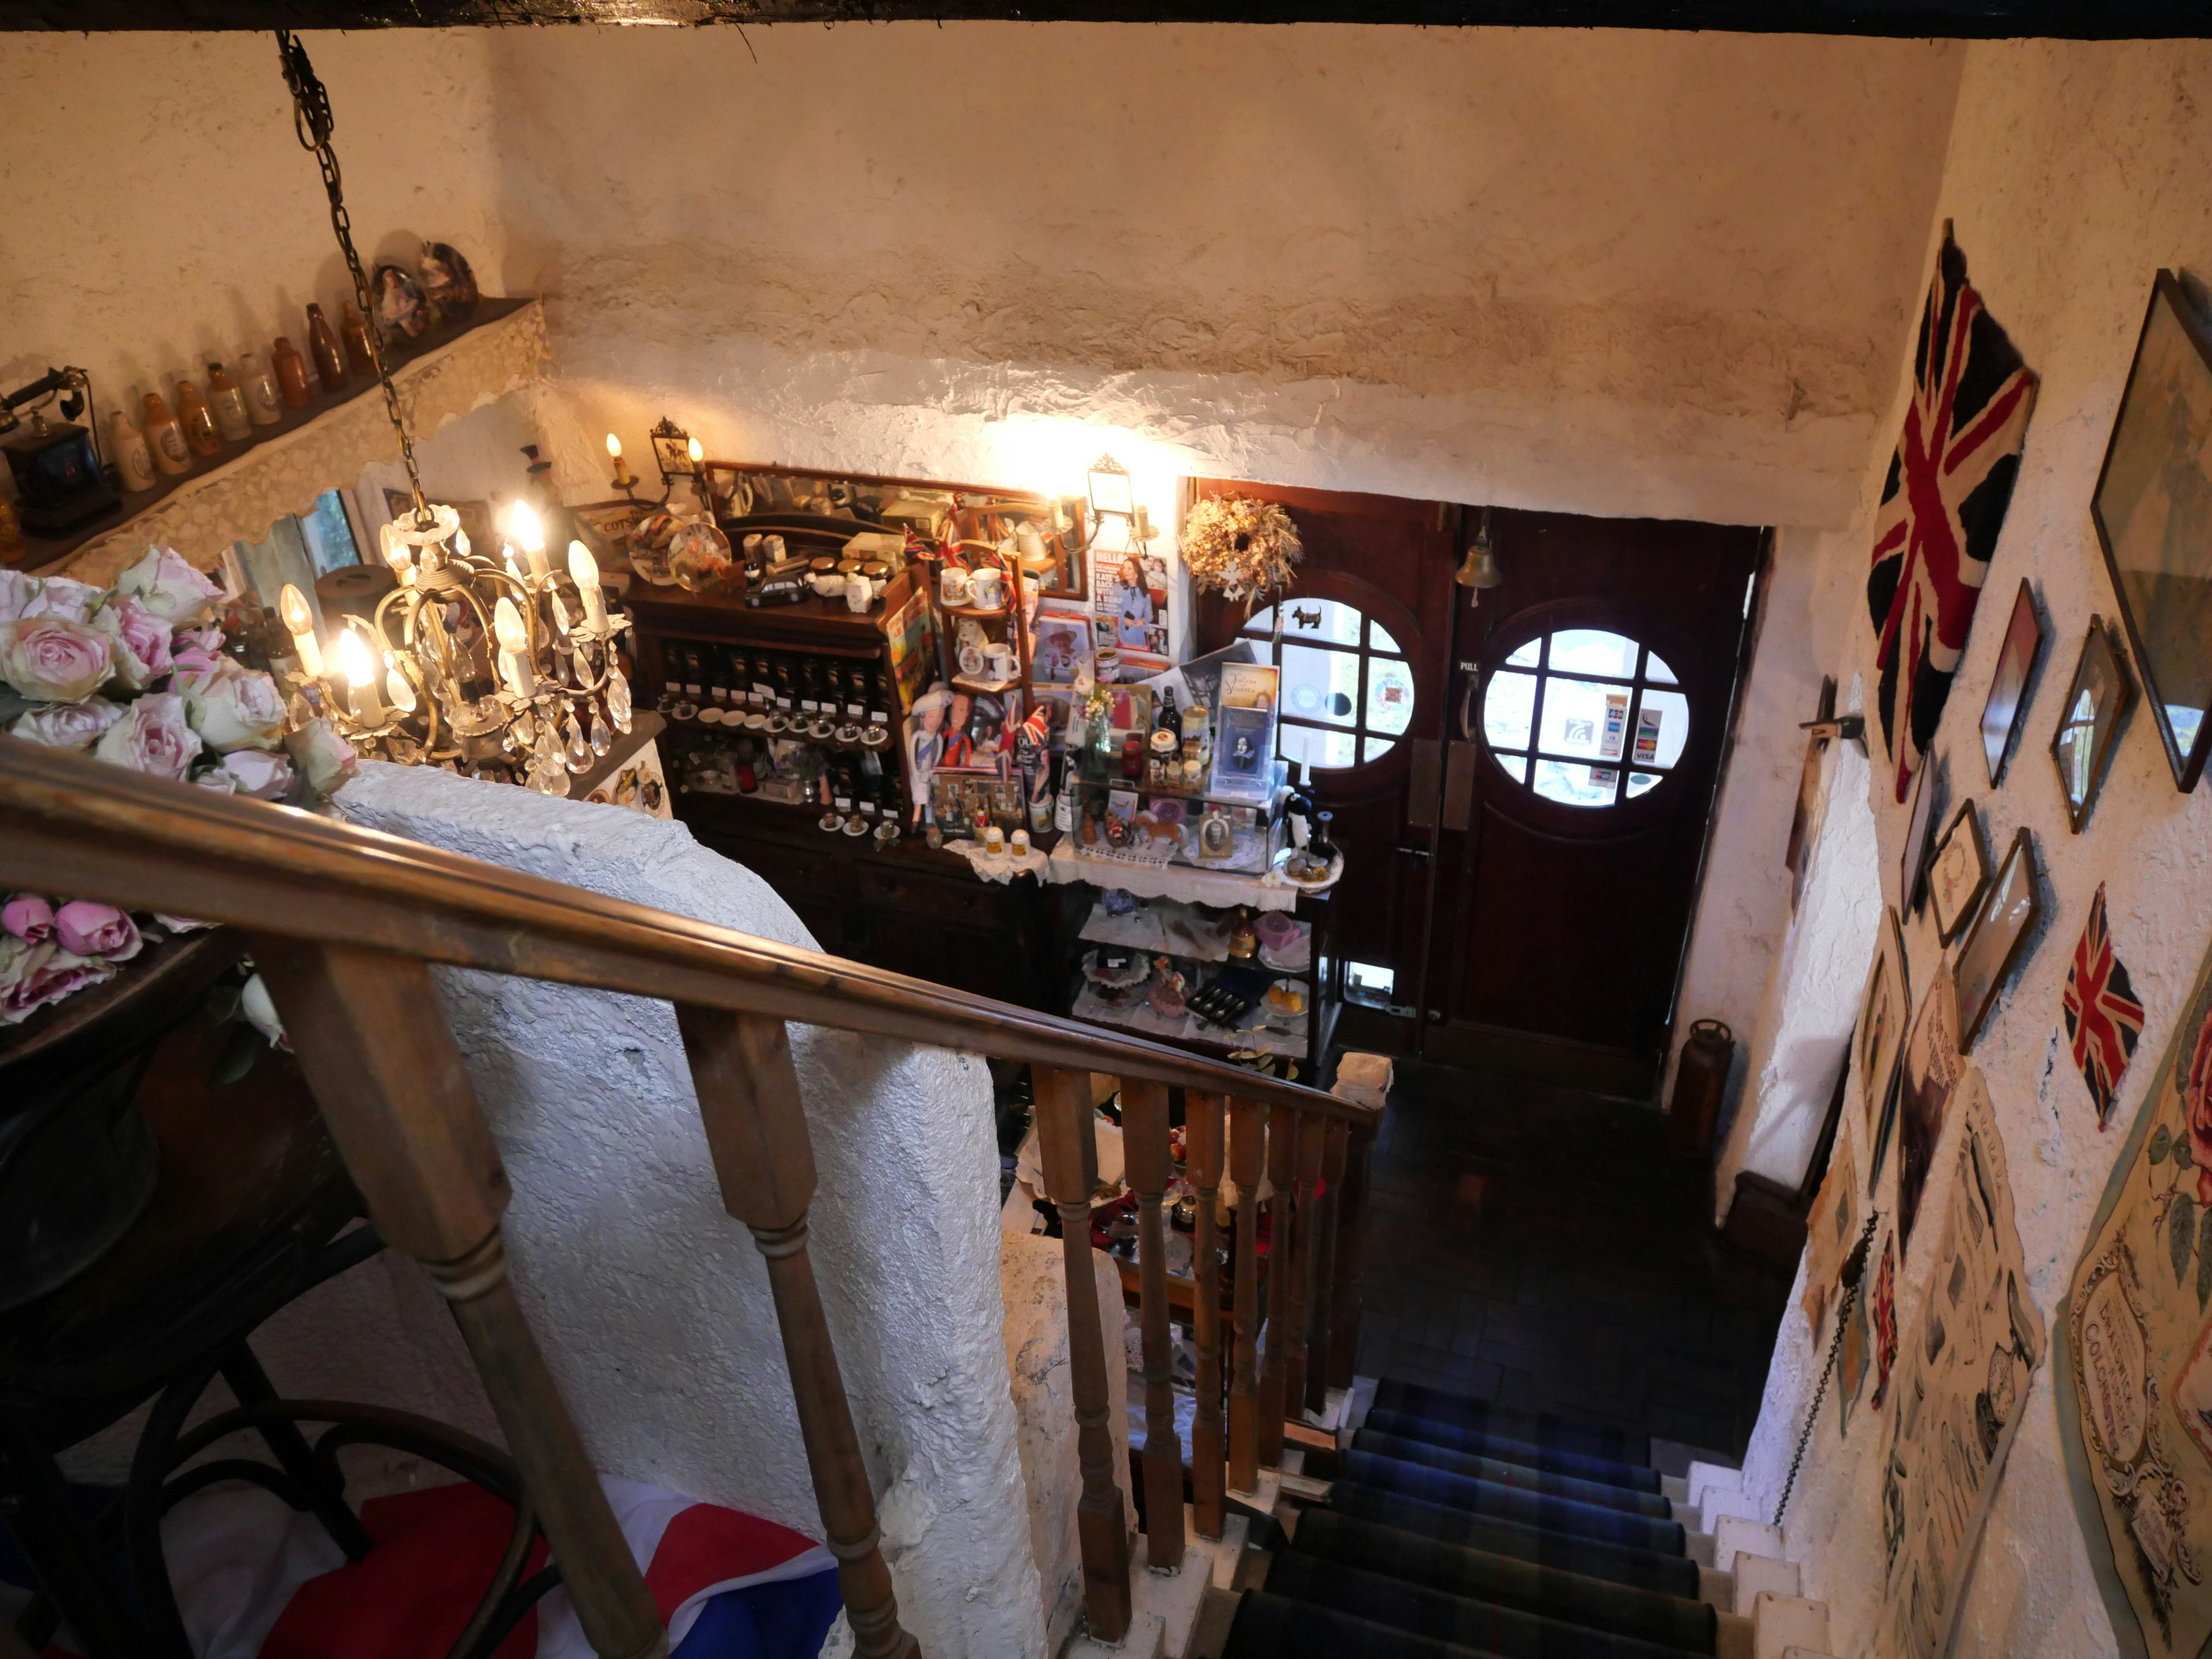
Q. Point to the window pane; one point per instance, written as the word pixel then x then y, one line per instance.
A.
pixel 1662 727
pixel 1389 694
pixel 1654 668
pixel 1317 619
pixel 1587 651
pixel 1507 708
pixel 1379 639
pixel 1576 786
pixel 1582 718
pixel 1525 656
pixel 1321 685
pixel 1515 767
pixel 1640 781
pixel 1373 749
pixel 1261 622
pixel 1315 748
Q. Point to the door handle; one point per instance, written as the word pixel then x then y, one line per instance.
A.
pixel 1419 854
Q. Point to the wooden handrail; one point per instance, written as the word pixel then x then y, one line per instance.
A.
pixel 79 826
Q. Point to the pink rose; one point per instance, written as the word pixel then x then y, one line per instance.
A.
pixel 64 597
pixel 29 918
pixel 235 708
pixel 88 929
pixel 141 640
pixel 327 759
pixel 256 773
pixel 17 591
pixel 32 975
pixel 153 736
pixel 68 724
pixel 196 650
pixel 171 589
pixel 52 660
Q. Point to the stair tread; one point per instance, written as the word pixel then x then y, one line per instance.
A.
pixel 1566 1432
pixel 1528 1453
pixel 1619 1564
pixel 1532 1508
pixel 1504 1473
pixel 1269 1625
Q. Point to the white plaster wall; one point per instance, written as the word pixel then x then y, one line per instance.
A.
pixel 2074 171
pixel 161 213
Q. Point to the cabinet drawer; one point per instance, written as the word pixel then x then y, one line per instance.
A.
pixel 955 898
pixel 799 875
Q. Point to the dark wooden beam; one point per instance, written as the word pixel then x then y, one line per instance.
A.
pixel 1960 19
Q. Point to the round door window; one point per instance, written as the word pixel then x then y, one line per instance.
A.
pixel 1585 717
pixel 1347 689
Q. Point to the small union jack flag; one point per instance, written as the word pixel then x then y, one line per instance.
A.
pixel 1950 480
pixel 2103 1018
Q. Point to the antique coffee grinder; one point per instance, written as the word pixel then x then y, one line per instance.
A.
pixel 56 464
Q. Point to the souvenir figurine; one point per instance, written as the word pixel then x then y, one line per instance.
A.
pixel 448 285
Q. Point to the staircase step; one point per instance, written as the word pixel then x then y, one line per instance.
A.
pixel 1527 1453
pixel 1543 1428
pixel 1389 1608
pixel 1640 1569
pixel 1504 1473
pixel 1572 1598
pixel 1531 1509
pixel 1733 1535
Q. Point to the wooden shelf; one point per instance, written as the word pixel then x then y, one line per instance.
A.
pixel 38 552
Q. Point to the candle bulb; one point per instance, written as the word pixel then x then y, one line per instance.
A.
pixel 360 670
pixel 513 646
pixel 623 478
pixel 696 453
pixel 584 571
pixel 397 691
pixel 396 554
pixel 523 528
pixel 300 623
pixel 1143 521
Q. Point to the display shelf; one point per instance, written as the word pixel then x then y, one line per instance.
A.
pixel 976 682
pixel 1222 889
pixel 1143 1021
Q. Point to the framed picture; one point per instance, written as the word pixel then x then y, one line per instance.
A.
pixel 1957 873
pixel 1928 1073
pixel 1062 646
pixel 2089 722
pixel 2010 685
pixel 2153 510
pixel 1912 861
pixel 1882 1014
pixel 2007 913
pixel 1805 823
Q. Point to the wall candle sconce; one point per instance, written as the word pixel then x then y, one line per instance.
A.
pixel 625 480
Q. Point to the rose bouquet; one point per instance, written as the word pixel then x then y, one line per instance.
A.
pixel 135 675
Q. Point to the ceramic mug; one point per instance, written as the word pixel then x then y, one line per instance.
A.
pixel 987 587
pixel 1001 660
pixel 1029 542
pixel 953 584
pixel 857 593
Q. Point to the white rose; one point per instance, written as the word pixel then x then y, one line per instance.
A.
pixel 171 589
pixel 16 593
pixel 251 772
pixel 68 724
pixel 53 659
pixel 141 640
pixel 260 1011
pixel 214 778
pixel 235 708
pixel 326 758
pixel 153 736
pixel 63 596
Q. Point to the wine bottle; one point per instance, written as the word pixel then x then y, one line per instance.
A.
pixel 323 346
pixel 261 405
pixel 229 405
pixel 133 460
pixel 166 438
pixel 291 374
pixel 198 421
pixel 360 358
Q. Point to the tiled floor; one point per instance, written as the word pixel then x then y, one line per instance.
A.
pixel 1592 1283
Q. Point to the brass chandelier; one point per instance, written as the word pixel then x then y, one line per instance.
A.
pixel 500 666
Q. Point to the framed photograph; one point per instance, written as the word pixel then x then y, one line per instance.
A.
pixel 2007 913
pixel 1061 647
pixel 2089 722
pixel 1928 1073
pixel 2011 683
pixel 1912 861
pixel 1882 1014
pixel 1957 873
pixel 2153 510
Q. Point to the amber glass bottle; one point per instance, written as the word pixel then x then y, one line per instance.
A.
pixel 358 357
pixel 198 419
pixel 323 346
pixel 165 437
pixel 229 405
pixel 291 372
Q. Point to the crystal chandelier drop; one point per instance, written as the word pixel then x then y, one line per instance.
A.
pixel 500 667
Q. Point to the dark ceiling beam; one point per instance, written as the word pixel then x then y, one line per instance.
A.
pixel 2086 19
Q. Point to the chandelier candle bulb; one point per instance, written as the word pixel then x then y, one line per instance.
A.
pixel 513 643
pixel 396 692
pixel 300 623
pixel 623 479
pixel 360 670
pixel 584 570
pixel 523 528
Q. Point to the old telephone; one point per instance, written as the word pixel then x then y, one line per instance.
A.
pixel 56 464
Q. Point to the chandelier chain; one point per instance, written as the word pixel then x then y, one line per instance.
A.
pixel 312 121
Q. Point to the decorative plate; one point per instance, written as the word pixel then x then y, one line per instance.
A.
pixel 402 313
pixel 448 284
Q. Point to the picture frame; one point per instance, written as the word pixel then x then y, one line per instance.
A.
pixel 1883 1010
pixel 1958 871
pixel 1919 826
pixel 2152 509
pixel 2012 683
pixel 1805 821
pixel 2010 910
pixel 2088 722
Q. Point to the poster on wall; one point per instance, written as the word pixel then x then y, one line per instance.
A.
pixel 2135 1361
pixel 1929 1078
pixel 1959 1396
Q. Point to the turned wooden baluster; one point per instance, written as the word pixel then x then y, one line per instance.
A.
pixel 1313 1132
pixel 1201 1149
pixel 1145 1156
pixel 1351 1257
pixel 1069 1148
pixel 749 1099
pixel 1246 1149
pixel 387 1076
pixel 1282 1227
pixel 1323 1276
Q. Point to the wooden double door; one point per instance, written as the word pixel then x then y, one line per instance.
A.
pixel 1526 820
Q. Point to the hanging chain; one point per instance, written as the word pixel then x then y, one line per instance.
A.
pixel 1853 1275
pixel 311 120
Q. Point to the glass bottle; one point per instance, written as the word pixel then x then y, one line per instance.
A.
pixel 229 405
pixel 358 357
pixel 198 419
pixel 262 407
pixel 291 374
pixel 323 346
pixel 133 460
pixel 166 438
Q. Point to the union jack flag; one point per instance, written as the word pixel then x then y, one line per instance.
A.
pixel 1950 479
pixel 2103 1018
